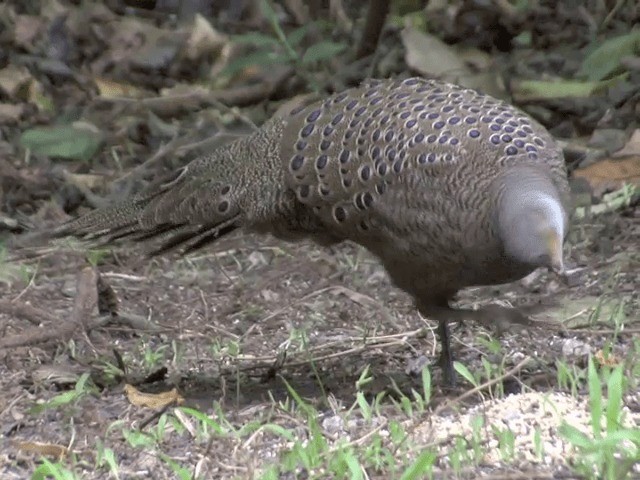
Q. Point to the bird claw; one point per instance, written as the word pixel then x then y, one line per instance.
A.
pixel 502 319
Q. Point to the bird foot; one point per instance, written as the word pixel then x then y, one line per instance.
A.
pixel 445 361
pixel 502 319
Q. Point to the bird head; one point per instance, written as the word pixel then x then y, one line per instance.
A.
pixel 532 222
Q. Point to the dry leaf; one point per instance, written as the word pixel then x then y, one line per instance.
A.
pixel 112 89
pixel 26 31
pixel 355 297
pixel 45 449
pixel 10 113
pixel 156 401
pixel 430 56
pixel 609 360
pixel 608 175
pixel 13 79
pixel 632 148
pixel 203 39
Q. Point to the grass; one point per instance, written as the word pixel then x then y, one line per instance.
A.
pixel 12 272
pixel 306 430
pixel 370 437
pixel 69 398
pixel 281 48
pixel 612 448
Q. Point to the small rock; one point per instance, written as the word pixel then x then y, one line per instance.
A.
pixel 575 276
pixel 333 425
pixel 269 295
pixel 610 139
pixel 69 288
pixel 415 366
pixel 553 286
pixel 572 347
pixel 257 259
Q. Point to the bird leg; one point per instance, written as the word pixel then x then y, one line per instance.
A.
pixel 445 361
pixel 444 314
pixel 499 318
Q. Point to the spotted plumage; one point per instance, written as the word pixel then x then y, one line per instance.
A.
pixel 448 187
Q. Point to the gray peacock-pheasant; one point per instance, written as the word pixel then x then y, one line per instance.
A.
pixel 449 188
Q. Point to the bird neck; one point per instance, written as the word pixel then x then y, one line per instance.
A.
pixel 525 187
pixel 530 217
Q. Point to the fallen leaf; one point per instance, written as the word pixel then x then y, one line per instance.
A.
pixel 111 89
pixel 356 297
pixel 608 360
pixel 531 90
pixel 26 30
pixel 46 449
pixel 632 148
pixel 37 95
pixel 156 401
pixel 606 59
pixel 203 39
pixel 610 174
pixel 76 142
pixel 13 79
pixel 10 113
pixel 430 56
pixel 85 180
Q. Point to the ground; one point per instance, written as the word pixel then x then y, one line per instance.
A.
pixel 239 326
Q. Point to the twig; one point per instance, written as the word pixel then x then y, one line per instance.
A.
pixel 140 170
pixel 338 13
pixel 236 96
pixel 34 315
pixel 298 11
pixel 376 16
pixel 611 14
pixel 85 301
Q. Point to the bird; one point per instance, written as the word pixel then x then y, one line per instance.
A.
pixel 448 187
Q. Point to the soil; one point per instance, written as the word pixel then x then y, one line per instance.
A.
pixel 241 323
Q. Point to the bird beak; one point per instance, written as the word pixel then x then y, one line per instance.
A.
pixel 554 247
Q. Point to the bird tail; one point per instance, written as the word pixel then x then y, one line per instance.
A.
pixel 195 206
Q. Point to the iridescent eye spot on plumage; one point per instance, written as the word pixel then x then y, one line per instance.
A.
pixel 223 206
pixel 303 191
pixel 297 162
pixel 313 116
pixel 339 214
pixel 365 173
pixel 307 130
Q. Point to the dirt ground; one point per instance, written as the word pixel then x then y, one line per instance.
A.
pixel 232 324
